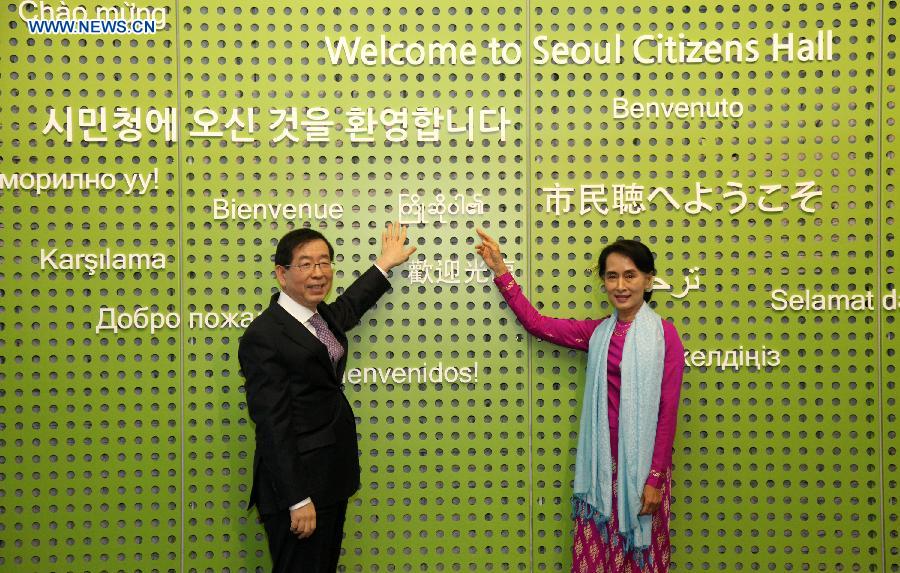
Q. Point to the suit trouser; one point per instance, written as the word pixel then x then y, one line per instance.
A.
pixel 318 553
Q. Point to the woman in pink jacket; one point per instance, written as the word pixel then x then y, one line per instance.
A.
pixel 623 466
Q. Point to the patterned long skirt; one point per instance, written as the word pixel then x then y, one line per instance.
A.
pixel 592 554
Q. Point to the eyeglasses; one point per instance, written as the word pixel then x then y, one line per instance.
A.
pixel 324 266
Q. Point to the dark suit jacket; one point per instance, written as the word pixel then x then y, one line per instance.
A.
pixel 305 429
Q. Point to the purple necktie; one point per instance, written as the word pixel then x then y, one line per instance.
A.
pixel 325 336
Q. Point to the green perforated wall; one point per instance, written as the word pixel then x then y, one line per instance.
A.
pixel 126 443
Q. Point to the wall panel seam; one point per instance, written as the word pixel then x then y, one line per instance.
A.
pixel 878 285
pixel 181 282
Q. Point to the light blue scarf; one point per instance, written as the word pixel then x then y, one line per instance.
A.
pixel 642 367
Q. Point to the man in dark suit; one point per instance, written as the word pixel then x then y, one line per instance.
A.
pixel 293 356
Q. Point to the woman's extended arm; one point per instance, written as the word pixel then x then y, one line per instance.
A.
pixel 565 332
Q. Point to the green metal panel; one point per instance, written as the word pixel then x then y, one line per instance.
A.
pixel 91 422
pixel 776 468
